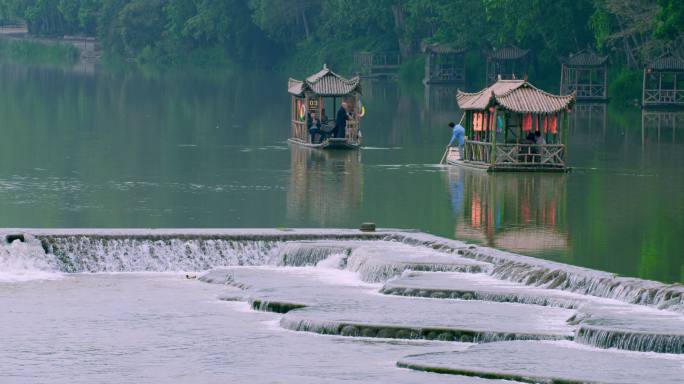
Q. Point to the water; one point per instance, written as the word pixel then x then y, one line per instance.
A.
pixel 114 149
pixel 133 328
pixel 315 306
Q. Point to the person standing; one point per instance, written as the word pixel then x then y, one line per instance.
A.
pixel 341 121
pixel 458 136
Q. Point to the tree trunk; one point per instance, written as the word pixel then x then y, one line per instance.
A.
pixel 306 24
pixel 405 45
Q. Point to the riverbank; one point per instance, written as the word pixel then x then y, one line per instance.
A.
pixel 25 50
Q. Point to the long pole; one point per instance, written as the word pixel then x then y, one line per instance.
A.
pixel 446 151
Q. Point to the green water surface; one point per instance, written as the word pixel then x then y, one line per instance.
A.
pixel 115 149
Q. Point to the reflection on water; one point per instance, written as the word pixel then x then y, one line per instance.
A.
pixel 662 127
pixel 125 149
pixel 440 97
pixel 517 211
pixel 590 120
pixel 325 186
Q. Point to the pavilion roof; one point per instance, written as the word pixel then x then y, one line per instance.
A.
pixel 515 95
pixel 666 62
pixel 584 58
pixel 325 83
pixel 510 52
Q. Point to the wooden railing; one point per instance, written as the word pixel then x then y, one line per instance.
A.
pixel 663 96
pixel 478 151
pixel 300 131
pixel 368 63
pixel 585 90
pixel 447 73
pixel 517 155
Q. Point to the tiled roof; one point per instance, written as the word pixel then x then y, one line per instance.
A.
pixel 667 62
pixel 325 83
pixel 480 100
pixel 507 53
pixel 514 95
pixel 585 58
pixel 295 87
pixel 441 48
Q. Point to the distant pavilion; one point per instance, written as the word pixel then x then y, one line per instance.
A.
pixel 586 73
pixel 507 63
pixel 444 64
pixel 664 82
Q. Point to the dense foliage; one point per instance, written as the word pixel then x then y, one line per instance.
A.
pixel 265 32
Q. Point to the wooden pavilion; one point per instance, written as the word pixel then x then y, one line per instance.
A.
pixel 325 87
pixel 383 65
pixel 585 73
pixel 513 126
pixel 664 82
pixel 507 63
pixel 444 64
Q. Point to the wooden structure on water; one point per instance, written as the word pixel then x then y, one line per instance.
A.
pixel 585 73
pixel 311 96
pixel 507 63
pixel 499 121
pixel 444 64
pixel 377 64
pixel 664 82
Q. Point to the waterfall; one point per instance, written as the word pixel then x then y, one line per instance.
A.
pixel 633 341
pixel 293 321
pixel 298 254
pixel 553 275
pixel 24 259
pixel 522 298
pixel 378 263
pixel 136 254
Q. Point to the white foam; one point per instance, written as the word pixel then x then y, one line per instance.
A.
pixel 21 261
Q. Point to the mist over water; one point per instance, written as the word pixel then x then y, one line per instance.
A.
pixel 114 149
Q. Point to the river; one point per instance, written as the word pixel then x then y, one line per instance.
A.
pixel 134 149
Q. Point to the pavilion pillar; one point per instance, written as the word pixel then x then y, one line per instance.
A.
pixel 493 133
pixel 643 89
pixel 565 134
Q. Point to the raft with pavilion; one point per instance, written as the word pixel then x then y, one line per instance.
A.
pixel 499 120
pixel 313 94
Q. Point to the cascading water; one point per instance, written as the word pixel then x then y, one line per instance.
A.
pixel 22 260
pixel 38 257
pixel 309 253
pixel 548 274
pixel 93 254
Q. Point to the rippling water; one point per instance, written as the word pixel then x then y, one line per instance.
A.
pixel 114 149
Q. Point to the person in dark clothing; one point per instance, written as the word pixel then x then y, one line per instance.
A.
pixel 341 121
pixel 314 126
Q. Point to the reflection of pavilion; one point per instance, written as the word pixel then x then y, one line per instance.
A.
pixel 440 106
pixel 589 119
pixel 661 126
pixel 514 211
pixel 326 187
pixel 440 97
pixel 380 89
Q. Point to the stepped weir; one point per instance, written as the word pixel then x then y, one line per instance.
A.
pixel 387 284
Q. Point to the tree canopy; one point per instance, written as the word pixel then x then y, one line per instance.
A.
pixel 266 31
